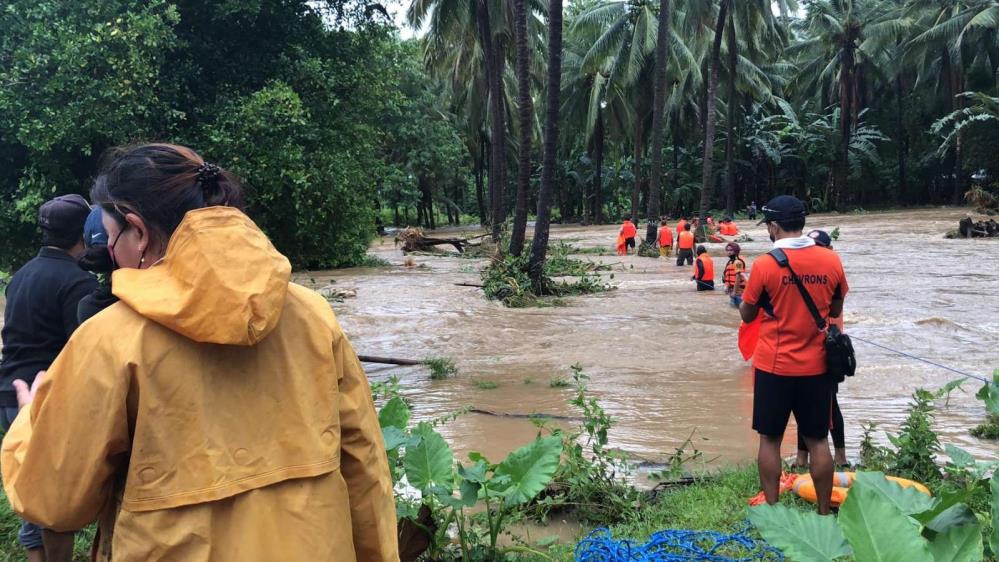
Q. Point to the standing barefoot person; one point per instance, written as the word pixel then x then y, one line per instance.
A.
pixel 216 412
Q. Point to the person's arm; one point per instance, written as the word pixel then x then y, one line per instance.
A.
pixel 71 298
pixel 363 461
pixel 699 267
pixel 64 449
pixel 839 295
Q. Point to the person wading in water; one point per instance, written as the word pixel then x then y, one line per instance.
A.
pixel 790 358
pixel 216 412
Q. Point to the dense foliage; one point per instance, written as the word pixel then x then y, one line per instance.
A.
pixel 338 125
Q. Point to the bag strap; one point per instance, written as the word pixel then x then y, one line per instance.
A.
pixel 781 258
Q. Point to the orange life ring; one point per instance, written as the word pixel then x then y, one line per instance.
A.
pixel 805 488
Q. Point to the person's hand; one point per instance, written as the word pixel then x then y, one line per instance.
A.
pixel 24 394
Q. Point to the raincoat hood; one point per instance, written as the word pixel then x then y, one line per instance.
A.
pixel 221 280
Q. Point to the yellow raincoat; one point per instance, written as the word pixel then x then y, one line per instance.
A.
pixel 216 413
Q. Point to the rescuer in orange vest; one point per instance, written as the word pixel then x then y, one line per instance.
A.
pixel 734 275
pixel 685 246
pixel 704 270
pixel 665 240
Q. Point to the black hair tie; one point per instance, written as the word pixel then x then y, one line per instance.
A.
pixel 208 175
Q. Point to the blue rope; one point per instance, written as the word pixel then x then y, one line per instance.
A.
pixel 927 361
pixel 675 545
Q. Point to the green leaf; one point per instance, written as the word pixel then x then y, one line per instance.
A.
pixel 959 544
pixel 395 413
pixel 906 500
pixel 994 539
pixel 990 394
pixel 958 456
pixel 430 463
pixel 469 492
pixel 529 468
pixel 876 528
pixel 954 516
pixel 943 502
pixel 800 535
pixel 394 438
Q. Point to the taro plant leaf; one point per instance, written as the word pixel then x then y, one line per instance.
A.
pixel 990 394
pixel 800 535
pixel 394 438
pixel 994 539
pixel 906 500
pixel 962 543
pixel 529 468
pixel 958 456
pixel 395 413
pixel 430 463
pixel 944 501
pixel 955 516
pixel 469 492
pixel 876 528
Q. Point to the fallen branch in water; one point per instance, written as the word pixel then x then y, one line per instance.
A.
pixel 388 360
pixel 524 416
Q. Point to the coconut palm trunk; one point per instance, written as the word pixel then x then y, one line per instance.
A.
pixel 733 106
pixel 636 166
pixel 539 247
pixel 658 122
pixel 598 167
pixel 497 129
pixel 525 111
pixel 707 173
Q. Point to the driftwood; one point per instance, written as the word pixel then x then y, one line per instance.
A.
pixel 522 416
pixel 388 360
pixel 477 286
pixel 413 240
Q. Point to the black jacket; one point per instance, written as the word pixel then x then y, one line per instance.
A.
pixel 40 315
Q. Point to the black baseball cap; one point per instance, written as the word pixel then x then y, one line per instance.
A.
pixel 821 238
pixel 783 207
pixel 64 215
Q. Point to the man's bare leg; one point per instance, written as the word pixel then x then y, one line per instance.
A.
pixel 821 469
pixel 35 555
pixel 58 546
pixel 769 464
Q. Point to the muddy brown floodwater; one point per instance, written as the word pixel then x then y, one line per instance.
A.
pixel 662 358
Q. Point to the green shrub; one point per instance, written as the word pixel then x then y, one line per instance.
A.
pixel 440 367
pixel 486 385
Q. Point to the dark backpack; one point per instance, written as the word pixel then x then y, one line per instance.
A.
pixel 840 359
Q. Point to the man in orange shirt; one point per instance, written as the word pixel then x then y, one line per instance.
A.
pixel 665 239
pixel 790 358
pixel 679 226
pixel 628 232
pixel 685 246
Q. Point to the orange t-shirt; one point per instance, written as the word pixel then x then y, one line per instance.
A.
pixel 679 227
pixel 685 240
pixel 628 229
pixel 790 342
pixel 665 236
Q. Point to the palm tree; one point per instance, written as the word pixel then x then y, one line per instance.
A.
pixel 525 115
pixel 658 108
pixel 707 176
pixel 835 63
pixel 955 34
pixel 550 159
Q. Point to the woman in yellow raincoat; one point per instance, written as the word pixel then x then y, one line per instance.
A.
pixel 217 412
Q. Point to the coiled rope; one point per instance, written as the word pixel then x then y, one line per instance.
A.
pixel 672 545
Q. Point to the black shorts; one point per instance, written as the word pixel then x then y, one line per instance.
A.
pixel 629 242
pixel 776 397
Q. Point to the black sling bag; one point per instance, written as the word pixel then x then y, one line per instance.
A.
pixel 840 359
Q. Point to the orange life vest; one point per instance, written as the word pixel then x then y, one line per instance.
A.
pixel 709 268
pixel 628 229
pixel 665 236
pixel 685 240
pixel 732 269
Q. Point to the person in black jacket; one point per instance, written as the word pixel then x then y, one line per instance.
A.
pixel 40 315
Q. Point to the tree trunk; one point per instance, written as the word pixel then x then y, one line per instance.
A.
pixel 903 143
pixel 658 122
pixel 733 105
pixel 598 166
pixel 958 195
pixel 636 165
pixel 550 157
pixel 707 175
pixel 525 110
pixel 846 92
pixel 497 160
pixel 480 170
